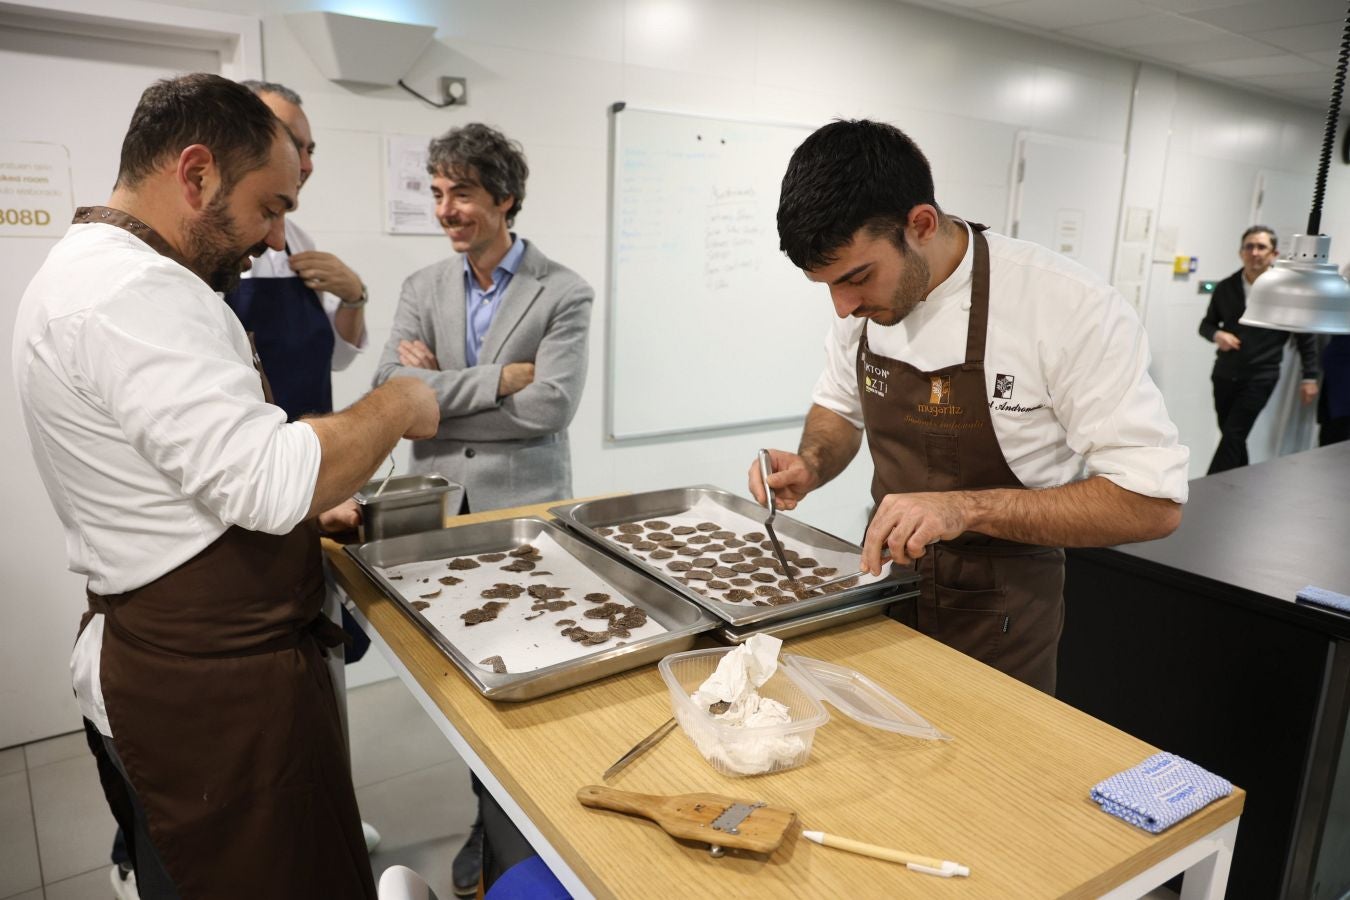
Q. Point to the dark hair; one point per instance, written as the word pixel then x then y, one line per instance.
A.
pixel 175 113
pixel 1256 229
pixel 845 176
pixel 271 87
pixel 482 154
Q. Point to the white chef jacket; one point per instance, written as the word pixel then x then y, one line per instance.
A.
pixel 1066 370
pixel 277 264
pixel 147 421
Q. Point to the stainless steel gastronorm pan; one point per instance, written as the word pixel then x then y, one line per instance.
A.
pixel 407 504
pixel 588 516
pixel 682 620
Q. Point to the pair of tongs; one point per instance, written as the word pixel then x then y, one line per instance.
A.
pixel 766 467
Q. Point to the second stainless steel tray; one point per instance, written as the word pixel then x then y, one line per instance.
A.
pixel 587 517
pixel 815 621
pixel 682 620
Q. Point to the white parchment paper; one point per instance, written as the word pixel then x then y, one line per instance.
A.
pixel 523 644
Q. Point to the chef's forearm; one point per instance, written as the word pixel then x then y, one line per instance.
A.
pixel 829 443
pixel 1095 512
pixel 356 441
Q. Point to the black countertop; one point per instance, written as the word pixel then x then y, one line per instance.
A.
pixel 1264 532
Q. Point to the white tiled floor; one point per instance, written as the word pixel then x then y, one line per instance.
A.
pixel 56 831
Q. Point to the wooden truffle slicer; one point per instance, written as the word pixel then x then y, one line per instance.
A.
pixel 720 821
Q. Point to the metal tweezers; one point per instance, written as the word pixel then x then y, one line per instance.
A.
pixel 765 468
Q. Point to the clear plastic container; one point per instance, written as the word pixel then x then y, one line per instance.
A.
pixel 800 683
pixel 859 697
pixel 737 750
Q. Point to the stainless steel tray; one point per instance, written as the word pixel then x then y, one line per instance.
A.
pixel 682 620
pixel 588 516
pixel 810 622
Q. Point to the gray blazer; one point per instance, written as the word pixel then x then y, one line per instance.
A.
pixel 511 451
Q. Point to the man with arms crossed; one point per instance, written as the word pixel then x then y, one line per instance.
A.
pixel 499 331
pixel 190 503
pixel 1003 390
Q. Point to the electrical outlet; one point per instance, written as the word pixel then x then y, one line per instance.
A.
pixel 454 91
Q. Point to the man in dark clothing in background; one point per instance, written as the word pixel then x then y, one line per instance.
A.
pixel 1247 364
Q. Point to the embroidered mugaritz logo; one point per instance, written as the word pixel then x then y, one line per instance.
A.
pixel 874 379
pixel 1003 387
pixel 939 398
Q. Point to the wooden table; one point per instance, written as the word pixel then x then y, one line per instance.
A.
pixel 1008 797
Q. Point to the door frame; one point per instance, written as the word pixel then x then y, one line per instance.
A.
pixel 238 39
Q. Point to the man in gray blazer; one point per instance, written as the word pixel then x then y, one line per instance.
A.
pixel 498 330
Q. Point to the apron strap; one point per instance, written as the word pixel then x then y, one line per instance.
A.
pixel 320 629
pixel 977 329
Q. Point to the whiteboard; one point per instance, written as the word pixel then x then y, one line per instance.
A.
pixel 710 325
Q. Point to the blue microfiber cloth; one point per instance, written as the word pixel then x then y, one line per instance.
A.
pixel 1324 597
pixel 1160 791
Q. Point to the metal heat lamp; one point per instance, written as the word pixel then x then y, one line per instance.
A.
pixel 1303 291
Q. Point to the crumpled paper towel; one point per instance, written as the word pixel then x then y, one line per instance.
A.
pixel 735 681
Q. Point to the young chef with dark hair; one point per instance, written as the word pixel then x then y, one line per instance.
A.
pixel 189 502
pixel 1003 390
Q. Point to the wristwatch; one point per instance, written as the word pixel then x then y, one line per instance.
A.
pixel 355 304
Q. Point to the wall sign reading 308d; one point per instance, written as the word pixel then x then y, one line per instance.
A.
pixel 25 217
pixel 35 190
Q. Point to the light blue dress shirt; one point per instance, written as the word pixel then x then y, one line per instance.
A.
pixel 480 304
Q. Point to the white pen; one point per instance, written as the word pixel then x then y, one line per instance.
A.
pixel 943 868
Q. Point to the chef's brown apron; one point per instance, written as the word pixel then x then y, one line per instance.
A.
pixel 999 601
pixel 224 716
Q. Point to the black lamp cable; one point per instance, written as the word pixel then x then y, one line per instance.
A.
pixel 1329 140
pixel 452 102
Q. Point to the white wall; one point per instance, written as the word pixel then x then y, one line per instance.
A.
pixel 546 73
pixel 1219 142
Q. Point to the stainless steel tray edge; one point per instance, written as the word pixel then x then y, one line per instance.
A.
pixel 790 628
pixel 560 676
pixel 730 613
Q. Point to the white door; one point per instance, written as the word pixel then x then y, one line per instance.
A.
pixel 1066 196
pixel 76 90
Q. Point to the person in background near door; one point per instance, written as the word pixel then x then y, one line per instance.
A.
pixel 1247 362
pixel 189 502
pixel 1333 403
pixel 1003 390
pixel 499 331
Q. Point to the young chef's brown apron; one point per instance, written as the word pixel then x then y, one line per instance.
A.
pixel 224 716
pixel 999 601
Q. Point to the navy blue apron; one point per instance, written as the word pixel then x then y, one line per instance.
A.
pixel 294 342
pixel 294 339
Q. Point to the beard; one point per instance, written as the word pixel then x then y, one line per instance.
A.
pixel 909 292
pixel 213 249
